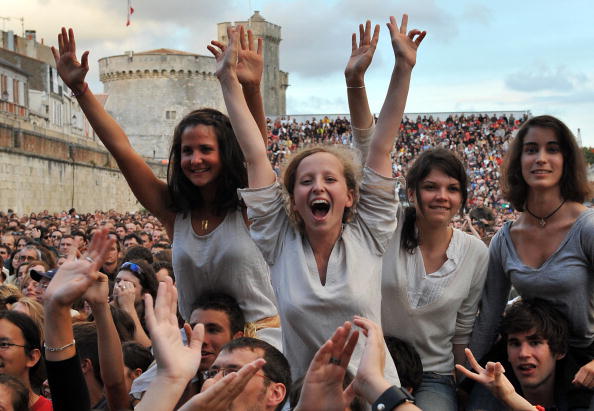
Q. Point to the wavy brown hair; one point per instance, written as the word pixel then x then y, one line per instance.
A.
pixel 574 184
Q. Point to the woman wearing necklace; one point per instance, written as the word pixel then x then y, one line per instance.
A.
pixel 548 252
pixel 198 206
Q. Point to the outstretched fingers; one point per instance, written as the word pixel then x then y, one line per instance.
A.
pixel 404 23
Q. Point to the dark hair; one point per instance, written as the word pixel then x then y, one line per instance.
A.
pixel 31 334
pixel 134 236
pixel 185 196
pixel 158 265
pixel 79 233
pixel 147 278
pixel 537 314
pixel 136 356
pixel 19 393
pixel 574 184
pixel 408 362
pixel 434 158
pixel 138 252
pixel 225 303
pixel 163 256
pixel 277 367
pixel 85 335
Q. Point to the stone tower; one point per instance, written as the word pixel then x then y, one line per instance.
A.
pixel 275 81
pixel 150 92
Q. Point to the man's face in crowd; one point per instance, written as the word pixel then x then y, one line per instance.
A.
pixel 66 244
pixel 130 242
pixel 257 394
pixel 217 333
pixel 80 242
pixel 26 254
pixel 130 228
pixel 14 359
pixel 4 253
pixel 56 236
pixel 531 358
pixel 121 232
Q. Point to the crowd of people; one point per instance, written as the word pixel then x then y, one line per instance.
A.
pixel 329 265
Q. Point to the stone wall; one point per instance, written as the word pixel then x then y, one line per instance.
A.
pixel 39 172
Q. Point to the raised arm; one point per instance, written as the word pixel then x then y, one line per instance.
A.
pixel 250 66
pixel 388 124
pixel 148 189
pixel 354 73
pixel 111 357
pixel 260 172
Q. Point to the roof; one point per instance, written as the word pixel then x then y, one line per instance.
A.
pixel 13 67
pixel 167 51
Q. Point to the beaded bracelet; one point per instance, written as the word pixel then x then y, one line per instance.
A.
pixel 58 349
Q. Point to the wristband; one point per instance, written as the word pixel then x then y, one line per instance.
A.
pixel 83 91
pixel 58 349
pixel 392 398
pixel 355 87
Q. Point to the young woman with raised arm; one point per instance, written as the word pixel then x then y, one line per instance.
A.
pixel 325 257
pixel 432 274
pixel 198 205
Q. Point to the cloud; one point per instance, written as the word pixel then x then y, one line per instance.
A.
pixel 545 78
pixel 477 13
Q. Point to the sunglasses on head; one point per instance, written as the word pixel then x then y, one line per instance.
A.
pixel 132 267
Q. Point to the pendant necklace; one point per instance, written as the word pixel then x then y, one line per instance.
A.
pixel 204 224
pixel 542 221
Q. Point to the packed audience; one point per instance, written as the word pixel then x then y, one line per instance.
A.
pixel 181 307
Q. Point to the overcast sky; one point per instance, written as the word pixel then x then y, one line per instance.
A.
pixel 478 55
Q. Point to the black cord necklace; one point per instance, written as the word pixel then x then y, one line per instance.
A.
pixel 543 220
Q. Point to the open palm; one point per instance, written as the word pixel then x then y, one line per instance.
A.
pixel 71 71
pixel 405 44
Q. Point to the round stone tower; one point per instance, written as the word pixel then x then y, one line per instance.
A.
pixel 149 93
pixel 275 81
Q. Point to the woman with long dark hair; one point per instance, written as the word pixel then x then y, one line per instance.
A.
pixel 198 206
pixel 548 252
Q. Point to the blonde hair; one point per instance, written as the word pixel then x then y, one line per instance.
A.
pixel 352 170
pixel 35 312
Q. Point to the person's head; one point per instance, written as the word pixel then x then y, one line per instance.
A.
pixel 269 388
pixel 120 230
pixel 146 239
pixel 41 274
pixel 544 154
pixel 408 363
pixel 85 336
pixel 137 359
pixel 55 237
pixel 9 294
pixel 323 186
pixel 205 155
pixel 436 184
pixel 138 252
pixel 28 253
pixel 163 269
pixel 223 321
pixel 14 395
pixel 80 239
pixel 33 309
pixel 4 251
pixel 132 240
pixel 20 346
pixel 141 275
pixel 23 242
pixel 537 337
pixel 67 243
pixel 9 240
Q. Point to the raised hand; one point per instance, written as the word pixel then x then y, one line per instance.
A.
pixel 250 64
pixel 218 393
pixel 175 361
pixel 226 56
pixel 70 70
pixel 75 277
pixel 405 45
pixel 369 382
pixel 361 54
pixel 124 293
pixel 322 387
pixel 98 292
pixel 585 376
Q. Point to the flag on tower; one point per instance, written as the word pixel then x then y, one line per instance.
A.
pixel 130 11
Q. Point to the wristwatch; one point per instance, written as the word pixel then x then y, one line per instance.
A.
pixel 392 398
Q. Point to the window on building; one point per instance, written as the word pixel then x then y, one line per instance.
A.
pixel 170 114
pixel 3 87
pixel 15 91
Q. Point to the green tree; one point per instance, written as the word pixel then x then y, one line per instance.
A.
pixel 589 154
